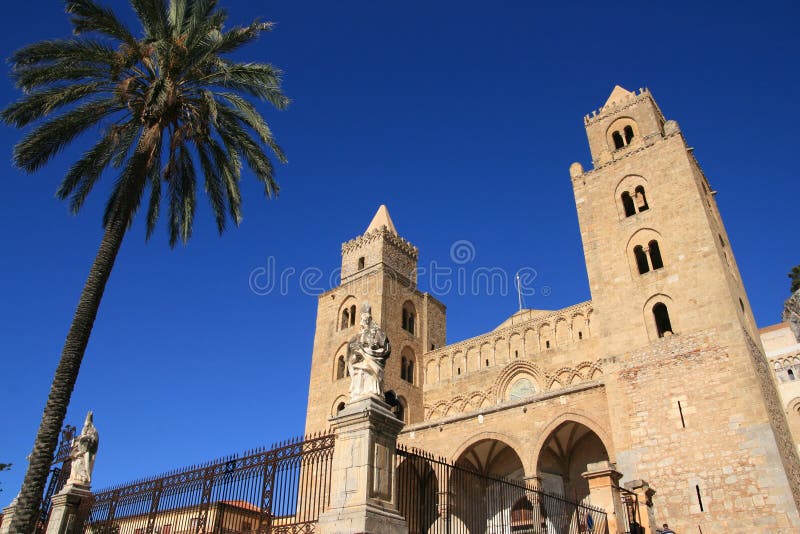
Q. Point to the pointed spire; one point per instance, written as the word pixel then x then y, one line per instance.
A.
pixel 618 94
pixel 382 218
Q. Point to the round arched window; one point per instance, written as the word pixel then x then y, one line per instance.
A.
pixel 521 389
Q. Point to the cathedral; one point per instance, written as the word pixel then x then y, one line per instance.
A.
pixel 662 374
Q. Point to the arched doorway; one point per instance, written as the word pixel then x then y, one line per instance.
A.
pixel 566 452
pixel 476 478
pixel 418 494
pixel 492 457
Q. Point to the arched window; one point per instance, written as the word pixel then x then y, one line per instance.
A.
pixel 339 408
pixel 399 409
pixel 641 199
pixel 618 142
pixel 352 315
pixel 628 130
pixel 641 259
pixel 345 318
pixel 341 368
pixel 655 255
pixel 407 365
pixel 661 316
pixel 627 204
pixel 361 261
pixel 409 317
pixel 791 374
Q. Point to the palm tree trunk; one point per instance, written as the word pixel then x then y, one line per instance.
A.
pixel 30 496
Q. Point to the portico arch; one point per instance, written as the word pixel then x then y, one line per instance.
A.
pixel 475 478
pixel 566 447
pixel 510 442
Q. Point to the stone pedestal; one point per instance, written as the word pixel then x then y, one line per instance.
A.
pixel 363 489
pixel 65 508
pixel 644 495
pixel 603 479
pixel 8 515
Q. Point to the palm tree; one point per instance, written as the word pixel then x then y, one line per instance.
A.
pixel 160 104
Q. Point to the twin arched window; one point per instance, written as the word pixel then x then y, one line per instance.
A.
pixel 636 203
pixel 622 138
pixel 653 252
pixel 348 317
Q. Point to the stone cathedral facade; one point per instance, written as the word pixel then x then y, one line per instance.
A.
pixel 662 372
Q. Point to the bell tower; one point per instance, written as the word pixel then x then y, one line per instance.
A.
pixel 657 253
pixel 681 346
pixel 378 267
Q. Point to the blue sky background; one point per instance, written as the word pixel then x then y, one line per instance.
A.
pixel 463 117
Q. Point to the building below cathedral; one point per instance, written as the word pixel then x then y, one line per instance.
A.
pixel 663 373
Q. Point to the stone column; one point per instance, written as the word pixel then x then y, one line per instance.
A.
pixel 603 479
pixel 8 515
pixel 644 495
pixel 66 510
pixel 363 489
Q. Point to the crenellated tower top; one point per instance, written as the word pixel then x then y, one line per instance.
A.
pixel 380 246
pixel 628 119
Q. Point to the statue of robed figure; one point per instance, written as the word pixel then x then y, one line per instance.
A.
pixel 83 453
pixel 367 353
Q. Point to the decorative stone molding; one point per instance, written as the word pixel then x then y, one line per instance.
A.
pixel 384 233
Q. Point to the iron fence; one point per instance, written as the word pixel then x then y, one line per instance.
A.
pixel 437 497
pixel 630 519
pixel 281 490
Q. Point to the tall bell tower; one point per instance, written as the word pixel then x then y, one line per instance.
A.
pixel 657 254
pixel 380 268
pixel 694 400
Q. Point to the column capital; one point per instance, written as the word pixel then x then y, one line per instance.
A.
pixel 604 469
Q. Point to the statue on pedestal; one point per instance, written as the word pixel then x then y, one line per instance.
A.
pixel 83 453
pixel 367 353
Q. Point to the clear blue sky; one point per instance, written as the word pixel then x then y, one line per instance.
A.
pixel 463 117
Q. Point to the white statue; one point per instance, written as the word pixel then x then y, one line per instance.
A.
pixel 83 453
pixel 367 353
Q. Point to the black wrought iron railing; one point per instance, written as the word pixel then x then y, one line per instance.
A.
pixel 437 497
pixel 278 490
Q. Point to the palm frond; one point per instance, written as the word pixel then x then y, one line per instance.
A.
pixel 177 17
pixel 213 184
pixel 154 17
pixel 260 80
pixel 50 137
pixel 41 103
pixel 154 205
pixel 85 172
pixel 78 50
pixel 230 171
pixel 31 77
pixel 88 16
pixel 247 112
pixel 259 163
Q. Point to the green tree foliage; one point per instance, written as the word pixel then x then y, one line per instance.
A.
pixel 795 276
pixel 167 108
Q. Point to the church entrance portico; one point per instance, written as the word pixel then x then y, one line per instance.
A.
pixel 565 453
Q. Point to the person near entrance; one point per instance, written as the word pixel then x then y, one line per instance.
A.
pixel 667 530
